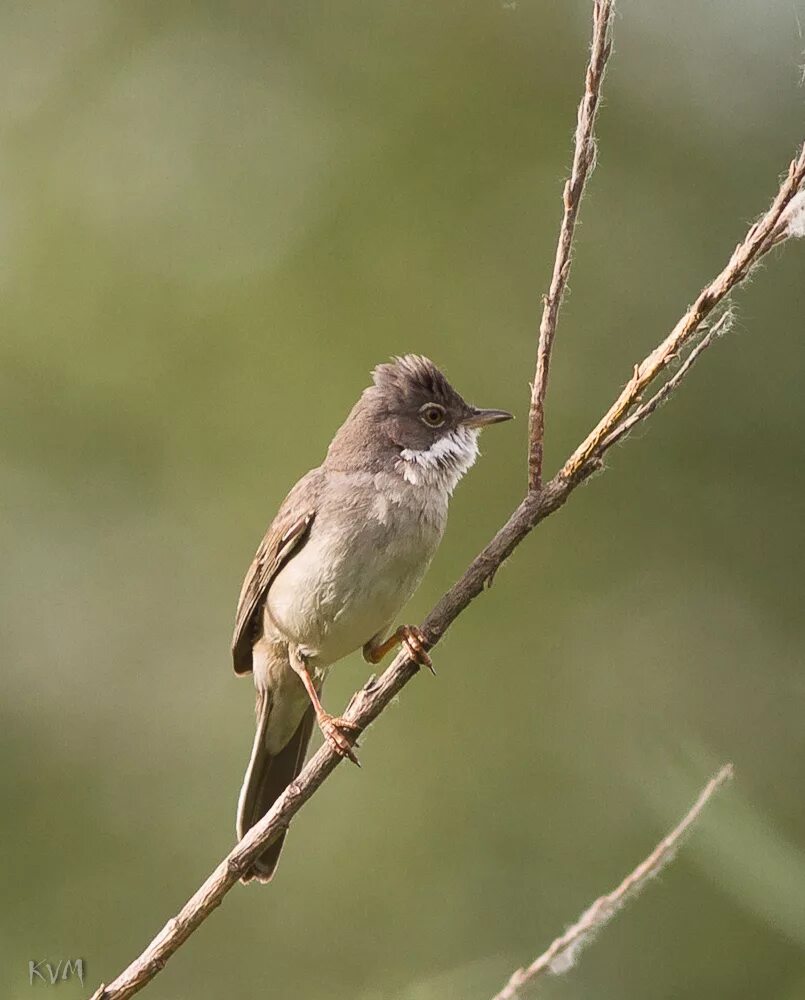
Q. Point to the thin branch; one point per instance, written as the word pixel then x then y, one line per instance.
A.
pixel 762 236
pixel 721 327
pixel 538 504
pixel 584 153
pixel 363 709
pixel 561 955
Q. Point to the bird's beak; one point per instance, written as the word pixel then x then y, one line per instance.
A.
pixel 481 418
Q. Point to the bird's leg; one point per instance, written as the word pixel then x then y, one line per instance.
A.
pixel 339 733
pixel 410 636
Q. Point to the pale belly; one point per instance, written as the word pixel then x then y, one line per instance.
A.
pixel 350 580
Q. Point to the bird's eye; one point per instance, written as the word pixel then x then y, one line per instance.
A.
pixel 432 414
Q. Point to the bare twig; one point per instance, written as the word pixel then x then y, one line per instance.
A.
pixel 584 153
pixel 363 709
pixel 761 237
pixel 718 329
pixel 561 955
pixel 538 503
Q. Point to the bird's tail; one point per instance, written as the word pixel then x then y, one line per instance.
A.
pixel 267 777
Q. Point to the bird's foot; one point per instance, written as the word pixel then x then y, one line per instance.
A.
pixel 341 735
pixel 414 641
pixel 409 636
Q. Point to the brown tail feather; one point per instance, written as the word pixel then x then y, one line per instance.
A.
pixel 266 779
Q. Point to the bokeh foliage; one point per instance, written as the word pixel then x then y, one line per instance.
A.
pixel 215 220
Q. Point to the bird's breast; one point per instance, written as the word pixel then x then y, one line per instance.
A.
pixel 366 554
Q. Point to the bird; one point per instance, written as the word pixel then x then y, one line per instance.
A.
pixel 348 547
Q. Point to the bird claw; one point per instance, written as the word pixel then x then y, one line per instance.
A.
pixel 414 642
pixel 341 736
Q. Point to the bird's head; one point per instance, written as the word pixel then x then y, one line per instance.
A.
pixel 414 420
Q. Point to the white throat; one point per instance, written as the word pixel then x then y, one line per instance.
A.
pixel 444 463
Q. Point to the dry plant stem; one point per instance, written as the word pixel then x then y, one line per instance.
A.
pixel 538 504
pixel 646 409
pixel 593 919
pixel 583 163
pixel 363 709
pixel 761 237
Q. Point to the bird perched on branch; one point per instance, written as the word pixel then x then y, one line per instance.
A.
pixel 347 549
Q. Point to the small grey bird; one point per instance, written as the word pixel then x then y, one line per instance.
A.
pixel 348 547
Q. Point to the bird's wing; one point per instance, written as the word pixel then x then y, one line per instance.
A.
pixel 287 533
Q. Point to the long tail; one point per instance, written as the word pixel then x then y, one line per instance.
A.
pixel 267 777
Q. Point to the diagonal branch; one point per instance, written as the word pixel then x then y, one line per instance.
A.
pixel 561 955
pixel 537 504
pixel 662 395
pixel 773 227
pixel 363 709
pixel 584 153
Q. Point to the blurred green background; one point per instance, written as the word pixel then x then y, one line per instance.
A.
pixel 215 219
